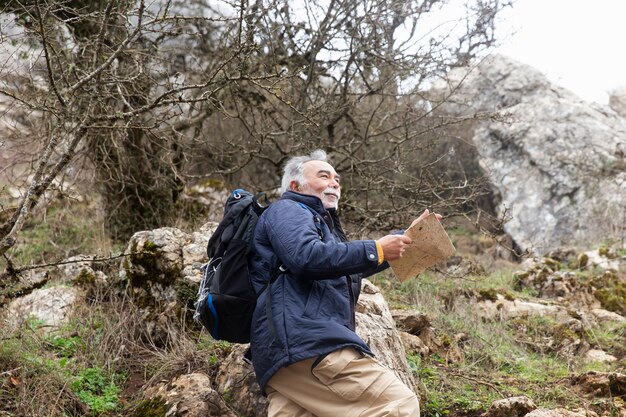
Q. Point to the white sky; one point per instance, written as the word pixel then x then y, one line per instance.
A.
pixel 577 44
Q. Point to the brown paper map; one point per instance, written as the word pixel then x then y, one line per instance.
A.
pixel 431 245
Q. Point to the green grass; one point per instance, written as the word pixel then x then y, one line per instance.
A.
pixel 57 368
pixel 64 229
pixel 499 359
pixel 83 368
pixel 99 389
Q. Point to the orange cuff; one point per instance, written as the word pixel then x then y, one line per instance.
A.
pixel 379 250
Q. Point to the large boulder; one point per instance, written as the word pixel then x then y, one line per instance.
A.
pixel 375 325
pixel 162 273
pixel 163 268
pixel 557 163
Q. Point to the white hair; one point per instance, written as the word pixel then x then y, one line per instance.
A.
pixel 294 168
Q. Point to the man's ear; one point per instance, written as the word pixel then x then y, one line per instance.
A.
pixel 294 185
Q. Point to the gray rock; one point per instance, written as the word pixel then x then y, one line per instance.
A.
pixel 80 269
pixel 560 412
pixel 191 396
pixel 617 100
pixel 164 268
pixel 195 252
pixel 601 315
pixel 596 355
pixel 411 321
pixel 503 309
pixel 237 383
pixel 510 407
pixel 375 325
pixel 48 306
pixel 413 344
pixel 555 162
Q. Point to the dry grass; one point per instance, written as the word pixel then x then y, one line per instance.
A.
pixel 99 363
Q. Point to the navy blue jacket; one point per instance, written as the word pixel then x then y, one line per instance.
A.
pixel 311 304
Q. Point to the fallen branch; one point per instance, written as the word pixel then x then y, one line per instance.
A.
pixel 10 371
pixel 109 258
pixel 469 378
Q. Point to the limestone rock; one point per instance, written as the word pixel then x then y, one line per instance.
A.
pixel 49 306
pixel 617 100
pixel 510 407
pixel 598 258
pixel 601 384
pixel 544 276
pixel 419 336
pixel 560 412
pixel 596 355
pixel 410 321
pixel 195 252
pixel 503 309
pixel 191 396
pixel 604 316
pixel 413 344
pixel 555 162
pixel 164 269
pixel 237 384
pixel 211 194
pixel 375 325
pixel 80 270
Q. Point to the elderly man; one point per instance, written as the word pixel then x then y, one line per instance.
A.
pixel 306 354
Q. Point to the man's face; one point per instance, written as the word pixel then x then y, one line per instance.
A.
pixel 321 181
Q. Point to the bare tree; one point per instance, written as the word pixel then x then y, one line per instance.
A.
pixel 159 95
pixel 353 77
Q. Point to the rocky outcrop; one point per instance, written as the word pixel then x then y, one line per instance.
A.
pixel 80 270
pixel 375 325
pixel 163 269
pixel 48 307
pixel 572 304
pixel 555 162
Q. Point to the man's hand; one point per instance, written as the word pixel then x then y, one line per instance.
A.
pixel 393 246
pixel 425 214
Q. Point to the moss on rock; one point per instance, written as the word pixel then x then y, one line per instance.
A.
pixel 153 407
pixel 611 292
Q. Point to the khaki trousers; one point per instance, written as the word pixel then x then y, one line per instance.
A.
pixel 345 383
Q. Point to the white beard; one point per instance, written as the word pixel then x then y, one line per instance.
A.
pixel 330 196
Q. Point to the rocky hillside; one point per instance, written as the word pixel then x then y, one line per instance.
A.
pixel 108 331
pixel 546 337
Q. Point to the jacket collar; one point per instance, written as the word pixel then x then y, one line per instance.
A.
pixel 310 200
pixel 330 216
